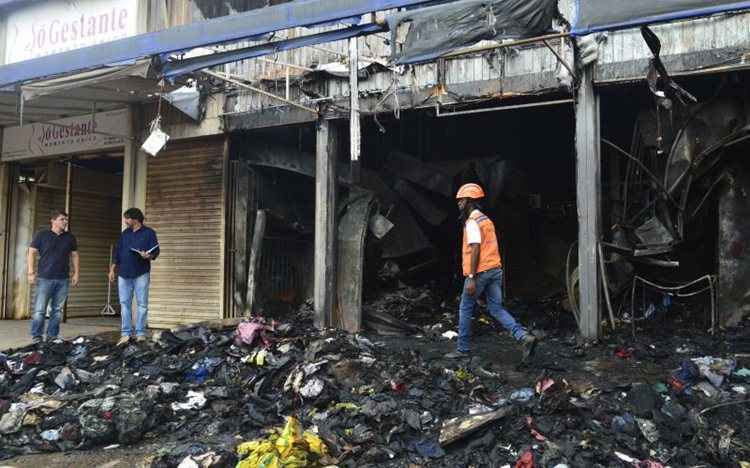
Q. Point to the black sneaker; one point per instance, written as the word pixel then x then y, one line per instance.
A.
pixel 37 340
pixel 529 346
pixel 458 355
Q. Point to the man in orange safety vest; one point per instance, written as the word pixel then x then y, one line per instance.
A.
pixel 483 272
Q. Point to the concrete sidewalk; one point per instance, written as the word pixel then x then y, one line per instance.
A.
pixel 15 333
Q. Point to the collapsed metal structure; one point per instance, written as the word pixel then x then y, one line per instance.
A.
pixel 684 203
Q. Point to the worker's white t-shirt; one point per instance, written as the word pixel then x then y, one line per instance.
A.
pixel 473 233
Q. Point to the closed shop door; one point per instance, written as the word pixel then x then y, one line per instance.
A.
pixel 96 221
pixel 185 205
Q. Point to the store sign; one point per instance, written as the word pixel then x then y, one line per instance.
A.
pixel 72 135
pixel 55 26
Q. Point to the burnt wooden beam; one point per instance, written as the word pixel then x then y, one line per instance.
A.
pixel 256 250
pixel 588 183
pixel 324 290
pixel 240 227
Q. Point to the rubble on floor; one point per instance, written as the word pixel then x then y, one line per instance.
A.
pixel 400 310
pixel 267 393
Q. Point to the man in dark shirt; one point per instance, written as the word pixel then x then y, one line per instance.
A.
pixel 131 264
pixel 55 246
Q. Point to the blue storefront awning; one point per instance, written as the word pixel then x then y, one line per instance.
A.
pixel 225 29
pixel 607 15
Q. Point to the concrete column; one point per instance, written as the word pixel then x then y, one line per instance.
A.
pixel 588 174
pixel 5 171
pixel 21 231
pixel 324 293
pixel 141 176
pixel 135 166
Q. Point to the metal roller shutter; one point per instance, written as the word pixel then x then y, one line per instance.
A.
pixel 185 205
pixel 95 221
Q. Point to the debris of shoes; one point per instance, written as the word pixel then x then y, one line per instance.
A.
pixel 269 393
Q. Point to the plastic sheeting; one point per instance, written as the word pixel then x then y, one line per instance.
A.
pixel 602 15
pixel 188 100
pixel 437 30
pixel 181 67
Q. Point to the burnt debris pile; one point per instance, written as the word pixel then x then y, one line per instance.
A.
pixel 260 392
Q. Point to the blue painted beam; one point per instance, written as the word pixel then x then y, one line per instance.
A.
pixel 610 15
pixel 13 3
pixel 204 33
pixel 182 67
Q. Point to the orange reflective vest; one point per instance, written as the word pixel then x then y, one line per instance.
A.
pixel 489 252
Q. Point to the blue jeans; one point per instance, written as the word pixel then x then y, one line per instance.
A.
pixel 55 290
pixel 126 287
pixel 489 281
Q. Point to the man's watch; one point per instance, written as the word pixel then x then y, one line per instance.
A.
pixel 471 276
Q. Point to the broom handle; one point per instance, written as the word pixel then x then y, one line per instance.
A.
pixel 109 283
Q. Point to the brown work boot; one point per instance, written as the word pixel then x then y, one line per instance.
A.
pixel 124 341
pixel 529 343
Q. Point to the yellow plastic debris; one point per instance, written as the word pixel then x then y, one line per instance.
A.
pixel 257 358
pixel 346 406
pixel 463 374
pixel 315 443
pixel 247 447
pixel 260 358
pixel 290 437
pixel 289 447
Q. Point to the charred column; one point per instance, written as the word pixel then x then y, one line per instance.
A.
pixel 588 184
pixel 325 222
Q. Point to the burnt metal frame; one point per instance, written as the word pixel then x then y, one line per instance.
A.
pixel 519 42
pixel 677 291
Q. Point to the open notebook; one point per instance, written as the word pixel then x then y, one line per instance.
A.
pixel 148 251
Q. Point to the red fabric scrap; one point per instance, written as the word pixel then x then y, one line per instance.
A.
pixel 676 384
pixel 526 460
pixel 544 384
pixel 649 464
pixel 624 353
pixel 33 359
pixel 534 432
pixel 398 387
